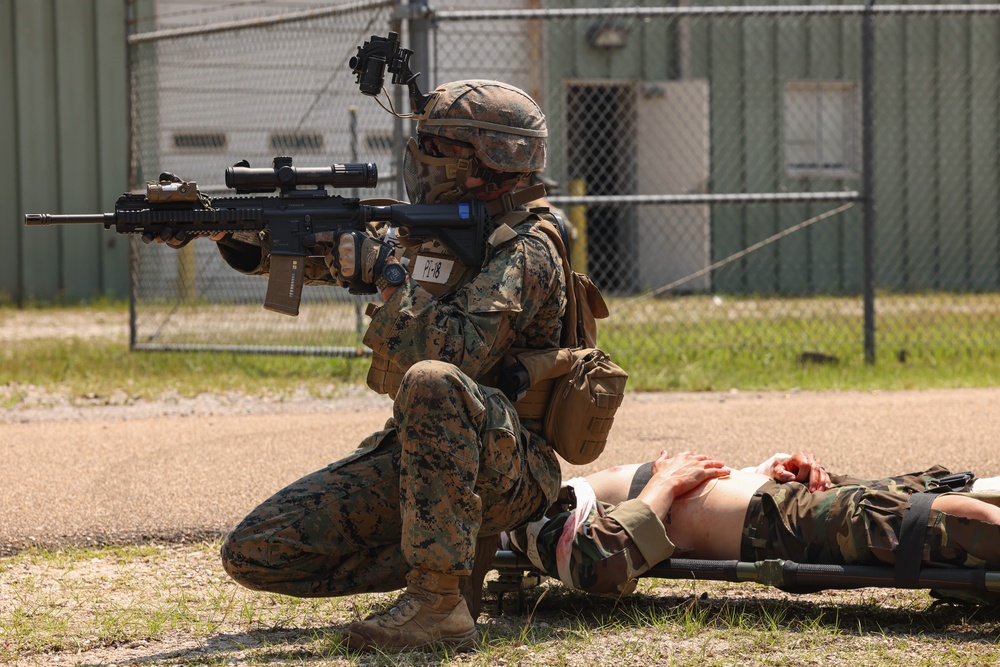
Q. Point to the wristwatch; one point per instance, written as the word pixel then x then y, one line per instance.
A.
pixel 393 274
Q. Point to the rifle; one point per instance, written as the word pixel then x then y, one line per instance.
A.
pixel 302 209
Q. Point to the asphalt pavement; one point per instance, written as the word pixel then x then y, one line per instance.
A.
pixel 188 470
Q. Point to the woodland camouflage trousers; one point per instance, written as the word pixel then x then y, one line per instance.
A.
pixel 450 465
pixel 858 522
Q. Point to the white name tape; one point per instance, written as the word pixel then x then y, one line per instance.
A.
pixel 432 269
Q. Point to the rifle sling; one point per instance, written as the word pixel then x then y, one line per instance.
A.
pixel 512 200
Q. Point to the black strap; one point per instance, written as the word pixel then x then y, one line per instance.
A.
pixel 957 481
pixel 912 534
pixel 642 475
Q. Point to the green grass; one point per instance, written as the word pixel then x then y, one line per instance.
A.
pixel 685 344
pixel 702 343
pixel 96 369
pixel 662 368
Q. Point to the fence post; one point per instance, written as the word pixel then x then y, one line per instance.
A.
pixel 417 15
pixel 577 214
pixel 868 175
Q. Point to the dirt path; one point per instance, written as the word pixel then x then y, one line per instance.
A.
pixel 188 468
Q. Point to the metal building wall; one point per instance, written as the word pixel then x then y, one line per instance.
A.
pixel 939 152
pixel 64 128
pixel 937 182
pixel 749 62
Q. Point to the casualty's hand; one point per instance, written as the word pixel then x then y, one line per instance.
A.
pixel 804 468
pixel 673 476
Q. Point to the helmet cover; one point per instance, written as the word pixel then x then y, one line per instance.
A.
pixel 505 127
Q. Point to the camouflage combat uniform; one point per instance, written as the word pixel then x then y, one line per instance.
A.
pixel 857 522
pixel 453 462
pixel 854 522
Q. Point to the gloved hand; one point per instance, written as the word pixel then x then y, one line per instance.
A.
pixel 170 237
pixel 358 260
pixel 176 239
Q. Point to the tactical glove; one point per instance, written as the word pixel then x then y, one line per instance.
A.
pixel 177 239
pixel 170 237
pixel 359 260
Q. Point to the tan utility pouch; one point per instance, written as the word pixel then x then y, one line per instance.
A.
pixel 577 392
pixel 583 406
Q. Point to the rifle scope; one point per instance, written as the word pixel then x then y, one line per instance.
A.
pixel 246 179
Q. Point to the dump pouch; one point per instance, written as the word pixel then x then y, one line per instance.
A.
pixel 583 406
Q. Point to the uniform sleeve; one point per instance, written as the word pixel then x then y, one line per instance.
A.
pixel 610 551
pixel 473 327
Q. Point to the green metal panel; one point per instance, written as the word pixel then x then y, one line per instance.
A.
pixel 850 280
pixel 823 55
pixel 954 222
pixel 658 59
pixel 921 138
pixel 112 146
pixel 761 111
pixel 37 143
pixel 76 96
pixel 890 154
pixel 10 213
pixel 728 156
pixel 64 112
pixel 984 177
pixel 794 274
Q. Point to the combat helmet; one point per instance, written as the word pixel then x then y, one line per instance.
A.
pixel 473 128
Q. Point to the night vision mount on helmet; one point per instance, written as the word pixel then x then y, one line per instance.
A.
pixel 474 137
pixel 371 63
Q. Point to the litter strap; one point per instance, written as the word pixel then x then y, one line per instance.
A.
pixel 912 535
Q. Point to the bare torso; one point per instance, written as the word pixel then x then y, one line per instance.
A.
pixel 704 523
pixel 708 521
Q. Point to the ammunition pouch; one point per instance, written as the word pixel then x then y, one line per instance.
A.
pixel 384 377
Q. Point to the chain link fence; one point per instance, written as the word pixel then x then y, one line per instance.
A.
pixel 760 180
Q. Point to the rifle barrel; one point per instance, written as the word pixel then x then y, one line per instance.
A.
pixel 35 219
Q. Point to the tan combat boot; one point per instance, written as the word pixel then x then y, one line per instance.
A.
pixel 430 612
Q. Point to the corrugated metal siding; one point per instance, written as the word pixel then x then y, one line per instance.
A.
pixel 937 114
pixel 747 151
pixel 938 145
pixel 64 121
pixel 938 141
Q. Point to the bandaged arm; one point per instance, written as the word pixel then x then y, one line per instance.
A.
pixel 609 548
